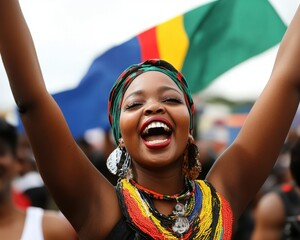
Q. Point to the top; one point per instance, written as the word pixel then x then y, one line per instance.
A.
pixel 33 229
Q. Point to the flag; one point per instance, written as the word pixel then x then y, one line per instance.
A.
pixel 202 43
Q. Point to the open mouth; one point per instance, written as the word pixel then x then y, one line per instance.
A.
pixel 156 132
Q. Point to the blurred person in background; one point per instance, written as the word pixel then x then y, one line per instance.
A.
pixel 277 214
pixel 26 224
pixel 29 181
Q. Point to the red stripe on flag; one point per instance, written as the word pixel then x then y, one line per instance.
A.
pixel 148 44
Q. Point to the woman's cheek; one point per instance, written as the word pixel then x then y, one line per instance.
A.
pixel 128 125
pixel 183 117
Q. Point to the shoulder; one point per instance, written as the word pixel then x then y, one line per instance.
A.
pixel 56 226
pixel 269 217
pixel 270 210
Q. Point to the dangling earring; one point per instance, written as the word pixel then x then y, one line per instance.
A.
pixel 191 162
pixel 119 161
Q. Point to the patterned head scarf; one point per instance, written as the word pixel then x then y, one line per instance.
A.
pixel 126 78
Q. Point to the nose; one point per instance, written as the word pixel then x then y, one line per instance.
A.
pixel 154 108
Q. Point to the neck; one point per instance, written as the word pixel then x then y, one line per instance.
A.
pixel 8 210
pixel 161 183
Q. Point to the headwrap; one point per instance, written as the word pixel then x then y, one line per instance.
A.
pixel 126 78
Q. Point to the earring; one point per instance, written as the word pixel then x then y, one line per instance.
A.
pixel 191 162
pixel 123 166
pixel 119 161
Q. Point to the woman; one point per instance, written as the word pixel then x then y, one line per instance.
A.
pixel 152 128
pixel 29 222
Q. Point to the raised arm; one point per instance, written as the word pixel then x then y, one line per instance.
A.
pixel 75 184
pixel 243 168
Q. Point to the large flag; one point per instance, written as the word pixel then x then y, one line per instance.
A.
pixel 202 43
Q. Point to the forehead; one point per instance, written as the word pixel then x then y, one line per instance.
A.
pixel 151 80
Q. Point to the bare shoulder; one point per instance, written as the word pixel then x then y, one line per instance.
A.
pixel 56 226
pixel 271 209
pixel 269 217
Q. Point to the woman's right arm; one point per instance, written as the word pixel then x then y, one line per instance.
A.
pixel 82 194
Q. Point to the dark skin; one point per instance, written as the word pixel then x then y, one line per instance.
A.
pixel 237 174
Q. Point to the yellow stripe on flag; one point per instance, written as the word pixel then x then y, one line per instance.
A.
pixel 172 41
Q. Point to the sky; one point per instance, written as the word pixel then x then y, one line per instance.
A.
pixel 69 34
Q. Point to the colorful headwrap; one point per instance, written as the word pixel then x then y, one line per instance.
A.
pixel 125 79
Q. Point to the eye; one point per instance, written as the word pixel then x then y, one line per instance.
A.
pixel 132 105
pixel 172 100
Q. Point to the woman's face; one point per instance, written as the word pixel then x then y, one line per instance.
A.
pixel 154 120
pixel 9 168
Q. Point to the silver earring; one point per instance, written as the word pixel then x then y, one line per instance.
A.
pixel 118 163
pixel 113 160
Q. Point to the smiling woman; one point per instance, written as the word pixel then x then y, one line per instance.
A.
pixel 151 109
pixel 152 123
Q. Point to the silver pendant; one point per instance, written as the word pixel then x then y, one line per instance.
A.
pixel 181 224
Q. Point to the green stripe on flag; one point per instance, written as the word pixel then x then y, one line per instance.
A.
pixel 225 33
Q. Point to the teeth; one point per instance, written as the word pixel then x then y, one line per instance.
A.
pixel 156 125
pixel 157 141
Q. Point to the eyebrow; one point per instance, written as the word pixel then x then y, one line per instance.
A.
pixel 160 90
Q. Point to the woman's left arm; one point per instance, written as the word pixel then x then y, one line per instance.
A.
pixel 241 170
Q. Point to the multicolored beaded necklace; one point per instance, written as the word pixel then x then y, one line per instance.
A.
pixel 181 223
pixel 199 213
pixel 187 192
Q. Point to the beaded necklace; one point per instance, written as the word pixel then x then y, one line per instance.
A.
pixel 187 192
pixel 206 215
pixel 180 223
